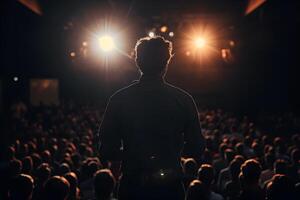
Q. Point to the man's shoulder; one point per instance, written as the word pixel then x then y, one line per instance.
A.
pixel 119 94
pixel 178 91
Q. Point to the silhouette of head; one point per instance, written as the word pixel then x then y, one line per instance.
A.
pixel 153 55
pixel 21 187
pixel 250 172
pixel 197 190
pixel 206 174
pixel 190 167
pixel 281 187
pixel 104 183
pixel 57 187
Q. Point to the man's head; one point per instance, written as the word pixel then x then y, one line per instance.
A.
pixel 153 55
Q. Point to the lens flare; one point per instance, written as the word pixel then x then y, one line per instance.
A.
pixel 200 43
pixel 106 43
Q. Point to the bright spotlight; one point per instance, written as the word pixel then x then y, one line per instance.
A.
pixel 200 43
pixel 84 43
pixel 15 79
pixel 171 34
pixel 106 43
pixel 163 29
pixel 151 34
pixel 72 54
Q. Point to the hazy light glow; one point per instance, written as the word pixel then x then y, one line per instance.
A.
pixel 163 29
pixel 200 42
pixel 151 34
pixel 171 34
pixel 15 79
pixel 72 54
pixel 84 43
pixel 107 43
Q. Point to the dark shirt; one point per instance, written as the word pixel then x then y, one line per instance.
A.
pixel 147 124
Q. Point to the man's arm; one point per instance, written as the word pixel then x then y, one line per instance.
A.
pixel 109 135
pixel 194 141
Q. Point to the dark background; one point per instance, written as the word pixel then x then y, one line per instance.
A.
pixel 263 76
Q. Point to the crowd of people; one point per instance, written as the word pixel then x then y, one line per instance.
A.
pixel 54 156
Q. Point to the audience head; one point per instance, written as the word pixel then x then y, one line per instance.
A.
pixel 197 190
pixel 153 55
pixel 43 172
pixel 21 187
pixel 57 187
pixel 15 167
pixel 250 172
pixel 206 174
pixel 73 180
pixel 27 165
pixel 104 183
pixel 280 166
pixel 280 188
pixel 190 167
pixel 235 168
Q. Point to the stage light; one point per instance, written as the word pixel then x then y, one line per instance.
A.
pixel 200 42
pixel 231 43
pixel 84 43
pixel 72 54
pixel 163 29
pixel 151 34
pixel 106 43
pixel 15 79
pixel 171 34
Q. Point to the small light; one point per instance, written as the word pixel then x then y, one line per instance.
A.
pixel 84 43
pixel 231 43
pixel 72 54
pixel 15 79
pixel 187 53
pixel 171 34
pixel 163 29
pixel 151 34
pixel 162 174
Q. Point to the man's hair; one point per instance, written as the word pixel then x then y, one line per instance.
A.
pixel 152 54
pixel 21 187
pixel 104 183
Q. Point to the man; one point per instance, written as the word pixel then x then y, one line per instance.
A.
pixel 146 125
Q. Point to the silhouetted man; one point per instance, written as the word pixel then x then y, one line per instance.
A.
pixel 147 124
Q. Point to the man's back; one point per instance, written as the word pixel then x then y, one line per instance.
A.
pixel 153 119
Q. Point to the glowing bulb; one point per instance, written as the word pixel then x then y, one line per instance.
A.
pixel 84 43
pixel 106 43
pixel 171 34
pixel 200 43
pixel 151 34
pixel 72 54
pixel 15 79
pixel 163 29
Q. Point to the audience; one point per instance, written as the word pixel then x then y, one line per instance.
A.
pixel 55 157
